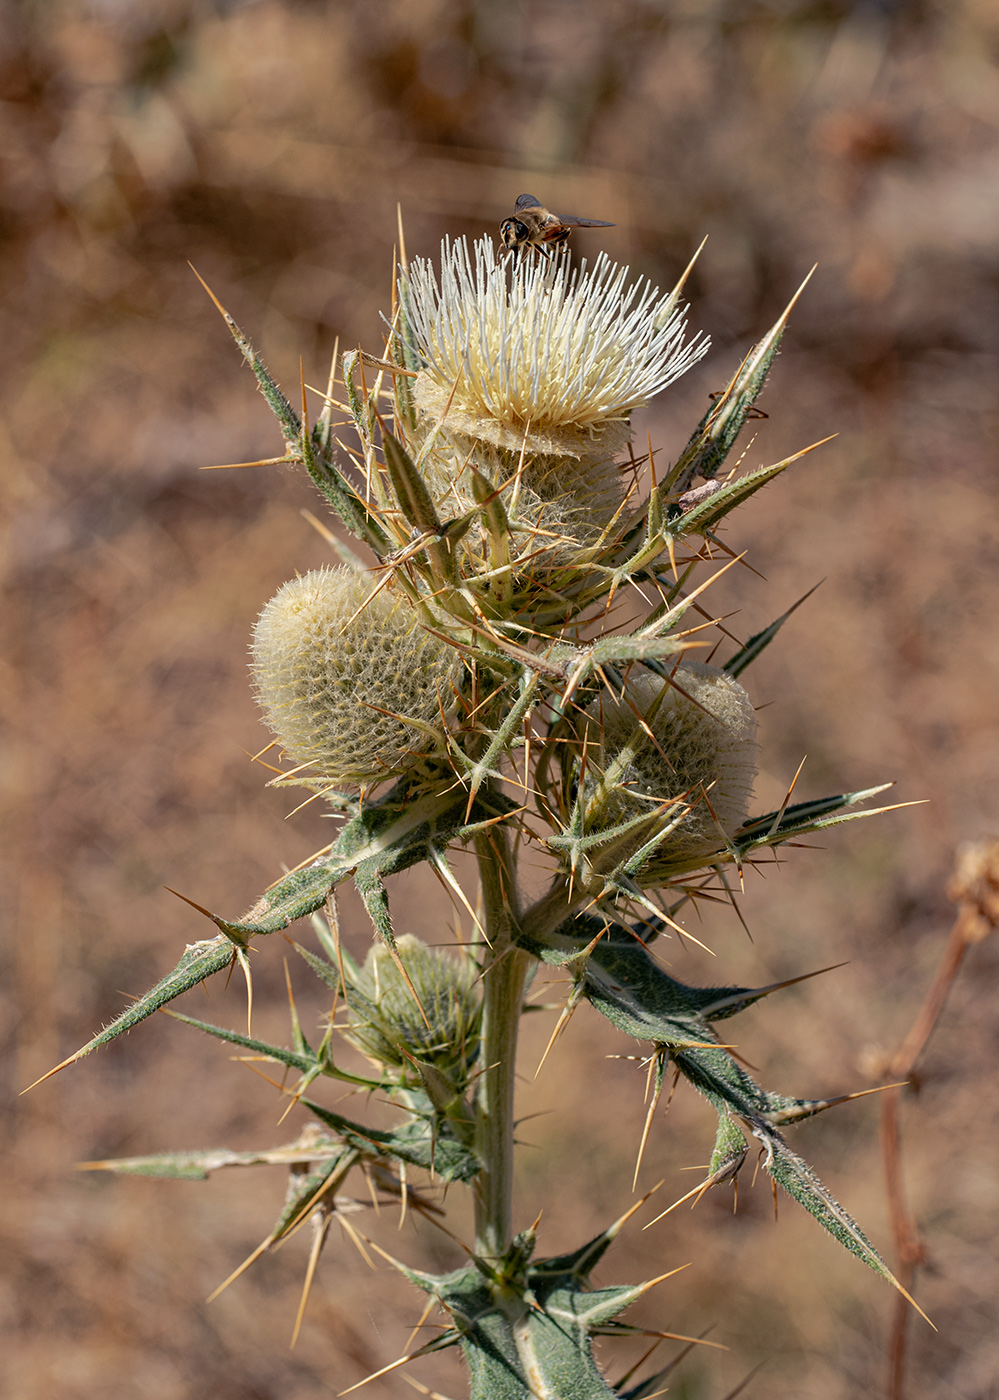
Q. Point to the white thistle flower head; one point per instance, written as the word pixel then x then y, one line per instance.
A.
pixel 545 357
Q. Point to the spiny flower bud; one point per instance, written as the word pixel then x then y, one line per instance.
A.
pixel 352 685
pixel 386 1024
pixel 702 751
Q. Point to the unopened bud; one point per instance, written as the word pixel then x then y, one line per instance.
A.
pixel 351 684
pixel 701 756
pixel 438 1027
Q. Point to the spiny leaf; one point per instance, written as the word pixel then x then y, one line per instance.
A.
pixel 800 814
pixel 717 431
pixel 323 969
pixel 414 1143
pixel 518 1349
pixel 305 1064
pixel 494 517
pixel 198 1165
pixel 736 664
pixel 625 649
pixel 200 960
pixel 799 1181
pixel 360 410
pixel 288 419
pixel 348 505
pixel 294 896
pixel 729 1151
pixel 799 818
pixel 710 512
pixel 279 1054
pixel 412 496
pixel 389 835
pixel 628 987
pixel 306 1185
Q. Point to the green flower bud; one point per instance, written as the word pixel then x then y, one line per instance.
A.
pixel 353 688
pixel 701 756
pixel 386 1024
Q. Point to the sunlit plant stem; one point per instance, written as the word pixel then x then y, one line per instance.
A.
pixel 503 982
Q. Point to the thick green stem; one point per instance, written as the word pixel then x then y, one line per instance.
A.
pixel 502 1002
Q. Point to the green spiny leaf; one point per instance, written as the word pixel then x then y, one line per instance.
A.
pixel 729 1151
pixel 799 1181
pixel 626 985
pixel 324 970
pixel 306 1185
pixel 198 1165
pixel 410 489
pixel 306 1064
pixel 200 961
pixel 414 1143
pixel 288 419
pixel 390 836
pixel 717 431
pixel 292 897
pixel 348 505
pixel 361 413
pixel 800 818
pixel 710 512
pixel 736 664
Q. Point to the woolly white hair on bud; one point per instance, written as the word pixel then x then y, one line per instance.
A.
pixel 352 686
pixel 703 747
pixel 548 355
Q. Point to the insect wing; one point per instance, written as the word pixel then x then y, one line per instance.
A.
pixel 570 221
pixel 527 201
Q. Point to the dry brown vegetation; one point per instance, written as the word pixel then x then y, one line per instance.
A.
pixel 269 144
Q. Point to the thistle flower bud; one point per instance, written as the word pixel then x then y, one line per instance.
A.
pixel 386 1023
pixel 538 374
pixel 702 752
pixel 351 685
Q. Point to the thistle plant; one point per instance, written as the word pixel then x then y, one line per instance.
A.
pixel 464 689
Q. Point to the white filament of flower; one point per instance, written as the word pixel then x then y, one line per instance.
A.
pixel 551 344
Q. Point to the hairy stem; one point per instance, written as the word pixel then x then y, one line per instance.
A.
pixel 502 1000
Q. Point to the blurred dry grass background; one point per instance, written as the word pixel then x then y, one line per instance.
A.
pixel 269 144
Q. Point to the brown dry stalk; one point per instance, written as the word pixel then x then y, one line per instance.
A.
pixel 974 887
